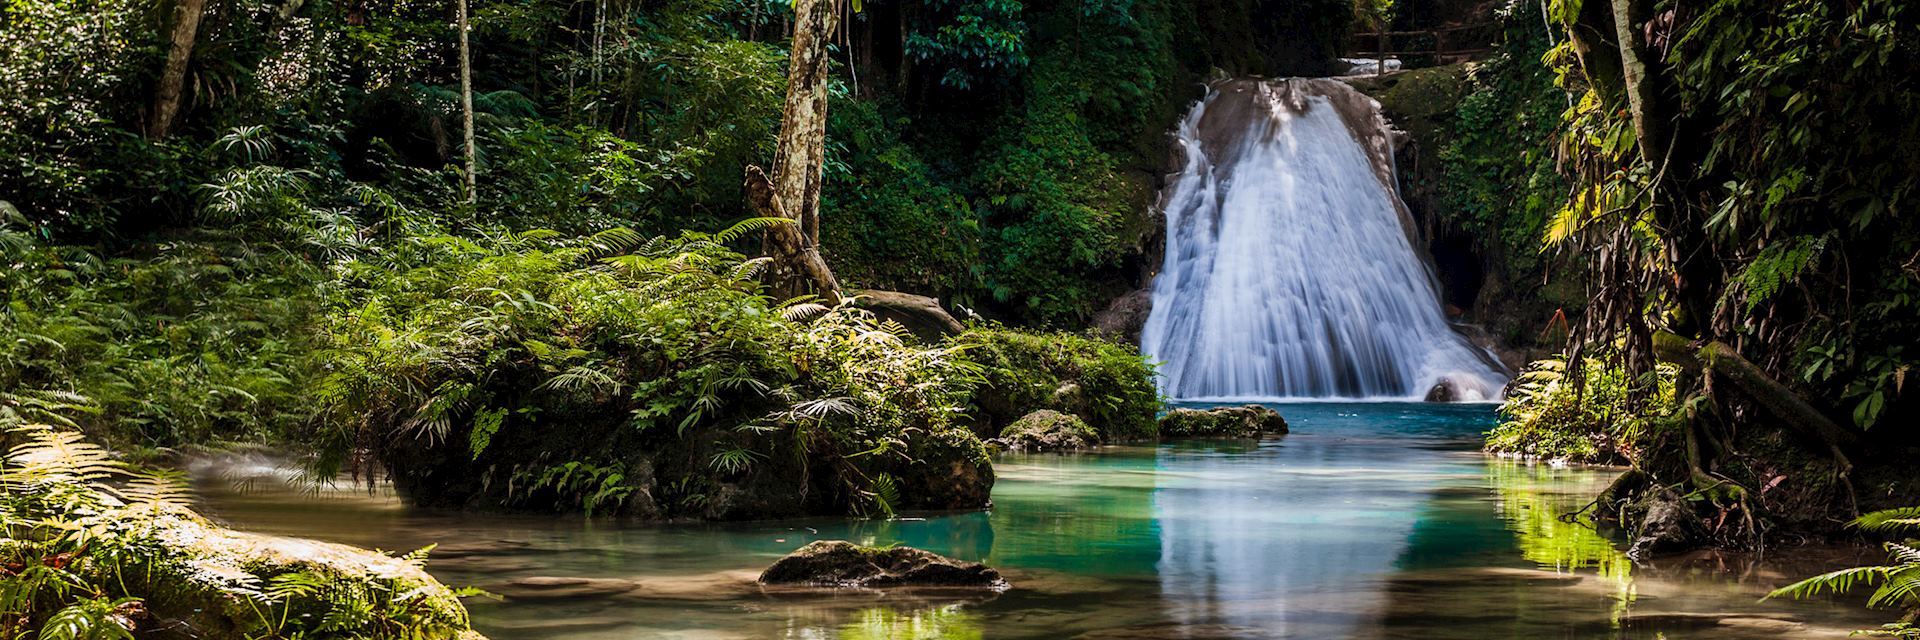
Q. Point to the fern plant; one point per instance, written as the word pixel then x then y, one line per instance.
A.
pixel 1896 584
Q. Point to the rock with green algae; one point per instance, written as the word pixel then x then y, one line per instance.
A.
pixel 206 581
pixel 1249 421
pixel 838 563
pixel 1048 430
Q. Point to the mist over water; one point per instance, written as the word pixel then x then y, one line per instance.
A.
pixel 1289 269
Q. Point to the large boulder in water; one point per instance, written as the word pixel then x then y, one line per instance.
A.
pixel 1048 430
pixel 838 563
pixel 1668 523
pixel 1249 421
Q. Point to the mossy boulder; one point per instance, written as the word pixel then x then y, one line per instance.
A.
pixel 1249 421
pixel 1048 430
pixel 204 581
pixel 838 563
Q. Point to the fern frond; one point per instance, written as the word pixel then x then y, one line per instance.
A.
pixel 750 269
pixel 1833 582
pixel 749 225
pixel 51 455
pixel 1889 521
pixel 804 311
pixel 1900 589
pixel 615 240
pixel 158 492
pixel 579 377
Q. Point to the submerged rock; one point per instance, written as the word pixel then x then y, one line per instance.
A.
pixel 1048 430
pixel 564 588
pixel 1249 421
pixel 838 563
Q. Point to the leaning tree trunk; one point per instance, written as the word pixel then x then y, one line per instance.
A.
pixel 466 105
pixel 794 190
pixel 166 97
pixel 1650 118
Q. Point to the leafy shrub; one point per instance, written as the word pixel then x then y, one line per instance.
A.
pixel 1498 181
pixel 1107 384
pixel 1608 416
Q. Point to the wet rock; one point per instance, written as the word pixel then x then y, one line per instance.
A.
pixel 1125 316
pixel 564 588
pixel 1249 421
pixel 1668 525
pixel 838 563
pixel 1442 391
pixel 1048 430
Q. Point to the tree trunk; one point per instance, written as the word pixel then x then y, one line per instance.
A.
pixel 466 106
pixel 1650 119
pixel 166 99
pixel 1593 32
pixel 1776 398
pixel 794 190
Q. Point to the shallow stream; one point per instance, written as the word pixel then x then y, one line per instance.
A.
pixel 1377 520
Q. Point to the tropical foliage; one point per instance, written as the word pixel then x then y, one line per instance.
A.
pixel 1734 219
pixel 1602 415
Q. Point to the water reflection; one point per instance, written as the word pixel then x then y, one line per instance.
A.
pixel 1369 521
pixel 950 622
pixel 1538 506
pixel 1243 535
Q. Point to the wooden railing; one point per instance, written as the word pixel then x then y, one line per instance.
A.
pixel 1444 45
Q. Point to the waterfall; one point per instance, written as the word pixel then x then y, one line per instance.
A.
pixel 1290 269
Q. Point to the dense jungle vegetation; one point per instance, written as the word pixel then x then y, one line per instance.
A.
pixel 1736 222
pixel 234 221
pixel 503 250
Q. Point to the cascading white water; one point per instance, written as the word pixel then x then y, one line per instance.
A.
pixel 1289 270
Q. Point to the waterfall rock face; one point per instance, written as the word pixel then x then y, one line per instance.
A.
pixel 1290 268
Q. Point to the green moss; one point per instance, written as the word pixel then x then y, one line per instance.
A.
pixel 1049 430
pixel 1106 384
pixel 1249 421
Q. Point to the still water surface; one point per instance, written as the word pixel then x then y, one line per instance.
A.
pixel 1368 521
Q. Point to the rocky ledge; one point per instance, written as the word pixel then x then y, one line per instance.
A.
pixel 838 563
pixel 1249 421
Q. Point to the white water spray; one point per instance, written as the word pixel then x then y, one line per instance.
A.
pixel 1290 271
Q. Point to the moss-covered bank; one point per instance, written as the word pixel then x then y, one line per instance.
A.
pixel 91 548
